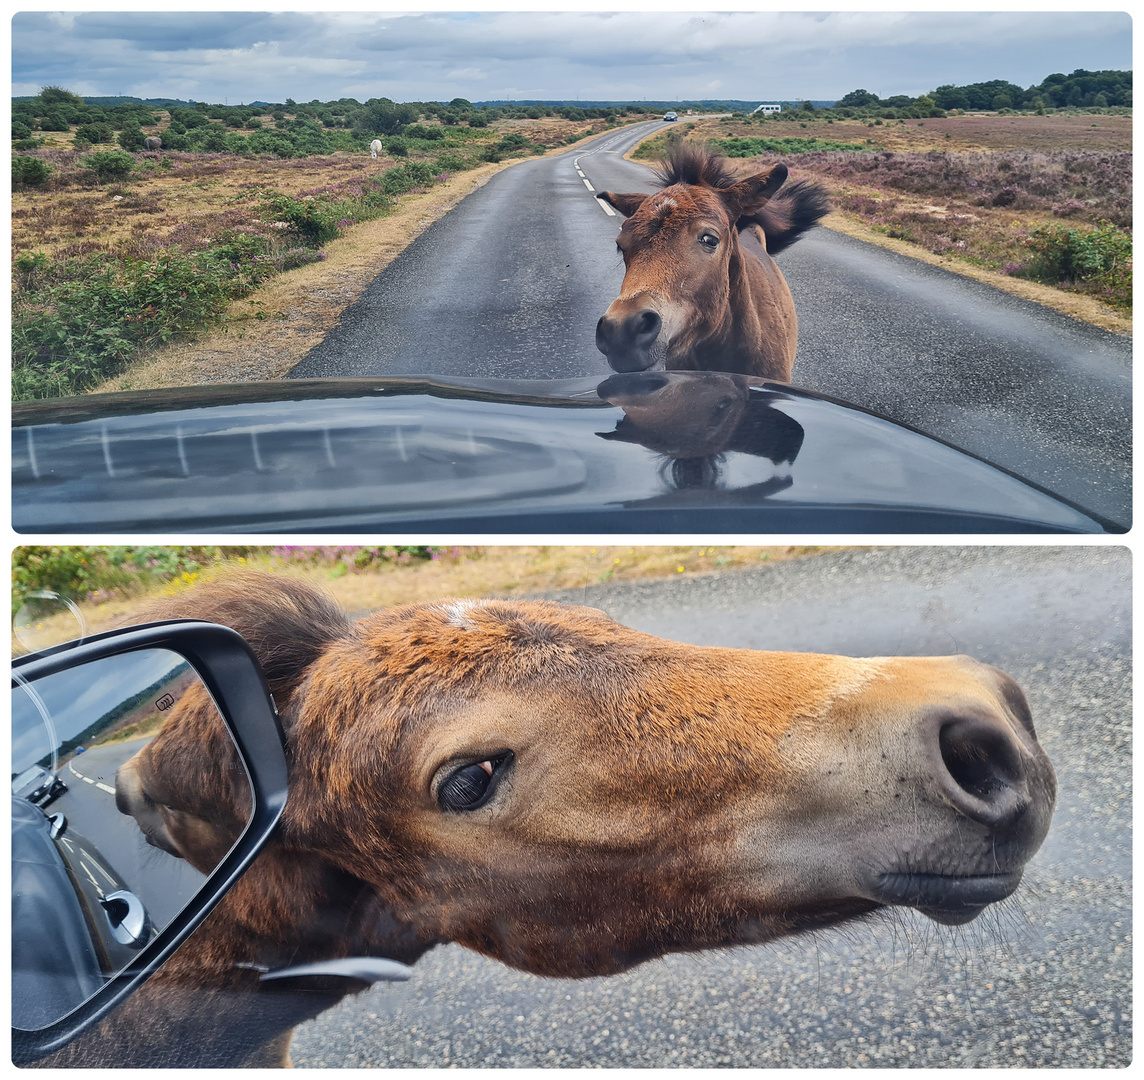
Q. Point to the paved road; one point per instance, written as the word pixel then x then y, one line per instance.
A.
pixel 510 284
pixel 1043 981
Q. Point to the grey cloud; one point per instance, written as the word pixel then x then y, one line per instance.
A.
pixel 244 56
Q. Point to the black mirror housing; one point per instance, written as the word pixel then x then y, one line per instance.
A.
pixel 228 668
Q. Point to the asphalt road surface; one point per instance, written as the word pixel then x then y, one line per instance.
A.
pixel 510 284
pixel 1043 979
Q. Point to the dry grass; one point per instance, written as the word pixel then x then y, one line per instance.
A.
pixel 468 572
pixel 194 189
pixel 268 333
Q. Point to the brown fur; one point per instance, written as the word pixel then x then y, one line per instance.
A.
pixel 662 797
pixel 724 308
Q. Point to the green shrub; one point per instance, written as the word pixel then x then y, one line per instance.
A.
pixel 1100 256
pixel 85 318
pixel 210 139
pixel 1069 254
pixel 401 178
pixel 20 131
pixel 28 262
pixel 310 218
pixel 95 133
pixel 76 572
pixel 109 165
pixel 449 162
pixel 30 172
pixel 131 138
pixel 397 146
pixel 55 122
pixel 754 146
pixel 27 144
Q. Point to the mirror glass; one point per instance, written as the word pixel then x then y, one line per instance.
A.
pixel 100 819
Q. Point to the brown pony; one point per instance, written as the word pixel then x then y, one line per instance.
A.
pixel 547 787
pixel 701 290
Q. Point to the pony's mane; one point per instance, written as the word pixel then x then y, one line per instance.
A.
pixel 798 206
pixel 694 163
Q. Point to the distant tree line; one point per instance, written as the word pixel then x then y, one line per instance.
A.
pixel 315 127
pixel 1082 89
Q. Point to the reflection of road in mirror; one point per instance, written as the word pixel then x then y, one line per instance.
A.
pixel 694 419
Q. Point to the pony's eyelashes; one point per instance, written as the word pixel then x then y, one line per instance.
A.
pixel 709 240
pixel 471 786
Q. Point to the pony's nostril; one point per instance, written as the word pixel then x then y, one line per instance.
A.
pixel 646 326
pixel 983 771
pixel 603 334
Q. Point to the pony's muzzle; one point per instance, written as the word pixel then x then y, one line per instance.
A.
pixel 628 340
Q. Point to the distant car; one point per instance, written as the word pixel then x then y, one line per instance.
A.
pixel 670 116
pixel 38 785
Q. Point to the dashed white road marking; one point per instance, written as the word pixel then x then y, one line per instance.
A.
pixel 588 183
pixel 605 207
pixel 89 780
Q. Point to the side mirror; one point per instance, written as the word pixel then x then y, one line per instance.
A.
pixel 99 900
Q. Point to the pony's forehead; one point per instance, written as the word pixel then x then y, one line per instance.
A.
pixel 474 620
pixel 674 208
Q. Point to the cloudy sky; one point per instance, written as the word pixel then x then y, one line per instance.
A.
pixel 245 56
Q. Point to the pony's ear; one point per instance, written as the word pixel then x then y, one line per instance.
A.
pixel 749 196
pixel 626 204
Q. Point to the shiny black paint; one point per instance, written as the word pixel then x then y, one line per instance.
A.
pixel 502 456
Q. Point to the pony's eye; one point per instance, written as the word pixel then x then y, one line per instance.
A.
pixel 471 786
pixel 709 240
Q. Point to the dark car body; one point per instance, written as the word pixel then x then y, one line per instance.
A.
pixel 64 946
pixel 38 785
pixel 646 452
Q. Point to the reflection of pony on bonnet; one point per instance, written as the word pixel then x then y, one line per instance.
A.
pixel 549 788
pixel 695 417
pixel 701 289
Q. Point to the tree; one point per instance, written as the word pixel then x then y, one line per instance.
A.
pixel 384 117
pixel 950 97
pixel 57 95
pixel 856 99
